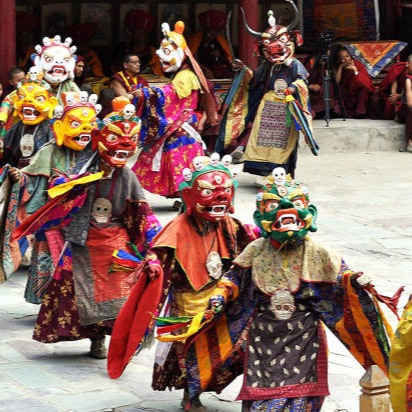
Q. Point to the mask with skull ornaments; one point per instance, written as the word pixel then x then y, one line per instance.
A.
pixel 116 140
pixel 75 126
pixel 33 101
pixel 208 190
pixel 284 212
pixel 55 59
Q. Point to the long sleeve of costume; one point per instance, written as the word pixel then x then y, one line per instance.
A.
pixel 26 196
pixel 166 145
pixel 110 227
pixel 182 277
pixel 354 317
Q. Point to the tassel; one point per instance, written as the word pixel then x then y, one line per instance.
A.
pixel 390 302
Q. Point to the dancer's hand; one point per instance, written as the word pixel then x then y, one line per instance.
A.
pixel 14 174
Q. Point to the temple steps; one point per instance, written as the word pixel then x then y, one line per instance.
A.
pixel 356 135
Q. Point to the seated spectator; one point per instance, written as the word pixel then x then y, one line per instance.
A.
pixel 127 81
pixel 15 75
pixel 354 84
pixel 79 70
pixel 392 88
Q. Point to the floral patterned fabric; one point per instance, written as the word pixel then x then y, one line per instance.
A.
pixel 166 147
pixel 286 360
pixel 87 289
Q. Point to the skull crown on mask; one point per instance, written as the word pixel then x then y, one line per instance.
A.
pixel 116 140
pixel 55 59
pixel 284 212
pixel 75 126
pixel 208 190
pixel 33 101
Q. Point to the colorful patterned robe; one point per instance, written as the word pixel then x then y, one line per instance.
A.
pixel 186 287
pixel 167 148
pixel 90 284
pixel 26 197
pixel 260 122
pixel 12 154
pixel 286 359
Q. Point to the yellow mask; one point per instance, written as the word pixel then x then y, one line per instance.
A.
pixel 33 101
pixel 74 128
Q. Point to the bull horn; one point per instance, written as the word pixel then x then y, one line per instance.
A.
pixel 295 21
pixel 252 32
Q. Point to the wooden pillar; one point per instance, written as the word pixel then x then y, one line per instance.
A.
pixel 375 391
pixel 246 41
pixel 7 39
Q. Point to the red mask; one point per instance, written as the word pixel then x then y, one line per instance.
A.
pixel 116 141
pixel 210 196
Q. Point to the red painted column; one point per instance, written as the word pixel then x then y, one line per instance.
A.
pixel 246 41
pixel 7 39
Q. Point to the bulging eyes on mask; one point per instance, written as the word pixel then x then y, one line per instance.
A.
pixel 33 102
pixel 74 129
pixel 210 196
pixel 284 212
pixel 117 141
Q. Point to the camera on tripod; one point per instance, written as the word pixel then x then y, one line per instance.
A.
pixel 325 40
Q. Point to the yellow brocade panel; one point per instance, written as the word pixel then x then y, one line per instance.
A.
pixel 400 363
pixel 185 82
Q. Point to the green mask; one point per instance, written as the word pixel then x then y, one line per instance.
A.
pixel 284 212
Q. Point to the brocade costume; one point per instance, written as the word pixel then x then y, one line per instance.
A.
pixel 17 152
pixel 88 287
pixel 286 355
pixel 26 197
pixel 255 118
pixel 185 288
pixel 167 148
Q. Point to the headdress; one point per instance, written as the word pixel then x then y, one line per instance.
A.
pixel 203 164
pixel 178 39
pixel 56 41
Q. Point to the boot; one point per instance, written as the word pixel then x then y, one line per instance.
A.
pixel 97 349
pixel 196 405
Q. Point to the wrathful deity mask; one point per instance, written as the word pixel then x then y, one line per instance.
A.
pixel 171 51
pixel 284 212
pixel 209 193
pixel 278 42
pixel 55 59
pixel 74 128
pixel 117 139
pixel 33 101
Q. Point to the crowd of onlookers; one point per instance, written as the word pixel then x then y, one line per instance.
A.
pixel 352 91
pixel 354 94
